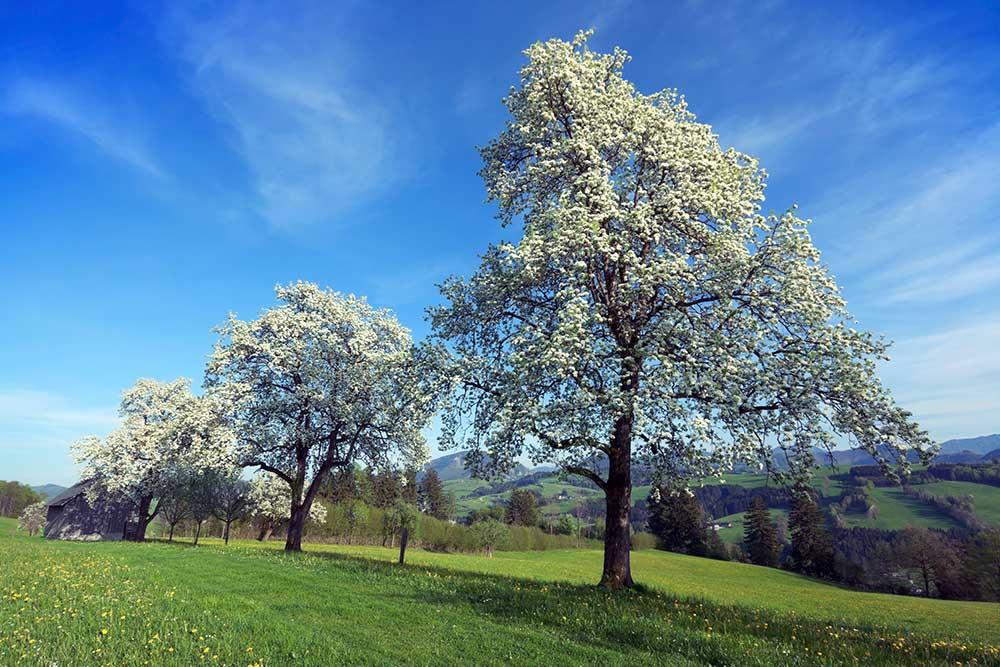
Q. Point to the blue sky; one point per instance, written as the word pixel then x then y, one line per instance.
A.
pixel 159 168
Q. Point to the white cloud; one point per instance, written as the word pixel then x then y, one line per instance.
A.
pixel 950 378
pixel 26 408
pixel 842 84
pixel 36 430
pixel 928 232
pixel 313 136
pixel 949 282
pixel 84 115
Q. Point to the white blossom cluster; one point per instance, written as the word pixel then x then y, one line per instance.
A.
pixel 323 381
pixel 166 432
pixel 648 300
pixel 270 497
pixel 318 382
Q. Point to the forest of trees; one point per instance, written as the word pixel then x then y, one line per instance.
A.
pixel 962 563
pixel 14 497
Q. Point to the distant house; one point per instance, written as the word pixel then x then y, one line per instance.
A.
pixel 563 495
pixel 720 526
pixel 73 516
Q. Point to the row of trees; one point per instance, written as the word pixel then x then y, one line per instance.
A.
pixel 678 521
pixel 316 384
pixel 957 565
pixel 14 497
pixel 649 313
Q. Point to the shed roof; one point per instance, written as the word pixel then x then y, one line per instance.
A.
pixel 71 493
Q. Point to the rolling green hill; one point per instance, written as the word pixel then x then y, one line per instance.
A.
pixel 250 604
pixel 734 534
pixel 985 499
pixel 896 511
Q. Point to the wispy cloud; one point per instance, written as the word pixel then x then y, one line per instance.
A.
pixel 314 136
pixel 921 232
pixel 27 408
pixel 83 115
pixel 39 426
pixel 947 282
pixel 861 86
pixel 951 378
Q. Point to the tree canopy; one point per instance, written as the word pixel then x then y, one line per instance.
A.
pixel 649 312
pixel 166 432
pixel 322 381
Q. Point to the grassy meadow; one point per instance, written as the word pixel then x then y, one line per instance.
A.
pixel 249 604
pixel 985 498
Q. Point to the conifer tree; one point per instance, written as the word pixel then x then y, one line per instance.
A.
pixel 812 547
pixel 522 508
pixel 677 520
pixel 760 537
pixel 431 496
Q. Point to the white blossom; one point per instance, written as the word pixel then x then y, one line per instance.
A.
pixel 318 382
pixel 649 311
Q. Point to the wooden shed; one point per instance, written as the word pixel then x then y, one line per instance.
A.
pixel 72 515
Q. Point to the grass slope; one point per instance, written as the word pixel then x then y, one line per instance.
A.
pixel 250 604
pixel 896 511
pixel 985 498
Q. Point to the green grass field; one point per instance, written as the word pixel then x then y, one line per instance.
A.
pixel 250 604
pixel 986 499
pixel 896 511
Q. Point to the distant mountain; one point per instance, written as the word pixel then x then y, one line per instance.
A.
pixel 964 456
pixel 48 490
pixel 980 445
pixel 452 466
pixel 962 450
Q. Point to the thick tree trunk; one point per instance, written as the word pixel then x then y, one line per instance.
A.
pixel 225 534
pixel 197 534
pixel 293 541
pixel 618 494
pixel 170 537
pixel 144 519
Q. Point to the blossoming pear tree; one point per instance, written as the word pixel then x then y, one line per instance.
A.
pixel 165 433
pixel 33 518
pixel 269 500
pixel 318 382
pixel 649 314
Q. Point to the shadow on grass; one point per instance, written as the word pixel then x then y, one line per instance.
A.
pixel 649 621
pixel 642 622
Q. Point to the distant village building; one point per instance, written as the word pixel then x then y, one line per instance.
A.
pixel 73 516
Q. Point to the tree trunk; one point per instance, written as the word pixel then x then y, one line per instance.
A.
pixel 197 534
pixel 170 537
pixel 293 542
pixel 403 538
pixel 618 494
pixel 144 518
pixel 225 534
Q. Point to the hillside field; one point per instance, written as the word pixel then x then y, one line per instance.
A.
pixel 896 510
pixel 251 604
pixel 985 498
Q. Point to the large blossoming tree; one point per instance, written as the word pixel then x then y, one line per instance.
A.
pixel 269 498
pixel 318 382
pixel 650 313
pixel 166 433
